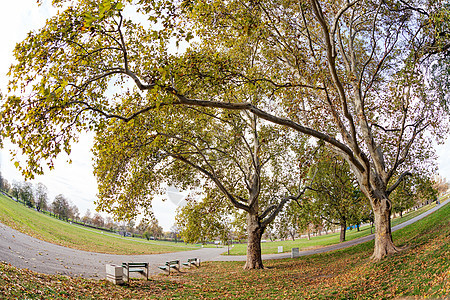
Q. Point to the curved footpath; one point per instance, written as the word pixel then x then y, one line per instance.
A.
pixel 24 251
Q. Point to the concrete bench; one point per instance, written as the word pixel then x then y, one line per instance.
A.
pixel 171 264
pixel 141 268
pixel 192 262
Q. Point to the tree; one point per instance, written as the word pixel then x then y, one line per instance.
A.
pixel 425 190
pixel 413 191
pixel 441 185
pixel 26 194
pixel 4 184
pixel 98 220
pixel 129 226
pixel 41 196
pixel 86 219
pixel 349 73
pixel 74 212
pixel 249 163
pixel 15 189
pixel 337 195
pixel 174 232
pixel 61 207
pixel 403 197
pixel 300 216
pixel 203 221
pixel 154 230
pixel 150 229
pixel 109 223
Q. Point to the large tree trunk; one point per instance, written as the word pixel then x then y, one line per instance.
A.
pixel 383 236
pixel 343 224
pixel 254 234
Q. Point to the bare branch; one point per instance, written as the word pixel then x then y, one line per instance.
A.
pixel 399 180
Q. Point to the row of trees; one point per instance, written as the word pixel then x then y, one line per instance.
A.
pixel 36 196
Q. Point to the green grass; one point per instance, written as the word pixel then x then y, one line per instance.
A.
pixel 323 240
pixel 49 229
pixel 421 270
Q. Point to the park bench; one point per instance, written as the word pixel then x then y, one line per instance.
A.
pixel 171 264
pixel 192 261
pixel 135 267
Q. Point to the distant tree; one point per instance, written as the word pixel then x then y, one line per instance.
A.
pixel 339 200
pixel 4 185
pixel 15 189
pixel 441 185
pixel 129 226
pixel 26 193
pixel 109 223
pixel 271 232
pixel 150 229
pixel 41 196
pixel 74 212
pixel 425 191
pixel 142 227
pixel 154 229
pixel 98 220
pixel 403 197
pixel 414 191
pixel 200 221
pixel 287 224
pixel 86 219
pixel 300 216
pixel 239 225
pixel 174 232
pixel 61 207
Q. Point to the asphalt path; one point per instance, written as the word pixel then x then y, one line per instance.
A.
pixel 24 251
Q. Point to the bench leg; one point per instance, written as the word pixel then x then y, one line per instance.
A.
pixel 128 274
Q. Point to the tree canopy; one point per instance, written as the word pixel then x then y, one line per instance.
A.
pixel 352 74
pixel 338 199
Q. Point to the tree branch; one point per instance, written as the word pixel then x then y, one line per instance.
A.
pixel 399 180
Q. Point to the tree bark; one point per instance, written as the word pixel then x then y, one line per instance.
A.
pixel 254 233
pixel 343 228
pixel 383 236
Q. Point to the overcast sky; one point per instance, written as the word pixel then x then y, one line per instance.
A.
pixel 76 180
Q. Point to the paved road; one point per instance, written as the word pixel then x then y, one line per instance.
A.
pixel 24 251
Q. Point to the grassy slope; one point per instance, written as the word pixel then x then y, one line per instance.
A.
pixel 323 240
pixel 62 233
pixel 420 271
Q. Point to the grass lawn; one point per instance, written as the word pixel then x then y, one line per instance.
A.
pixel 49 229
pixel 421 270
pixel 323 240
